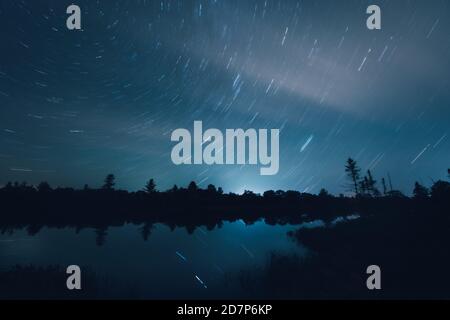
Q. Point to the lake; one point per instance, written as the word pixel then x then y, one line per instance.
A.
pixel 169 264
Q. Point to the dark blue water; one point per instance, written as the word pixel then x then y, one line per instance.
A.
pixel 170 264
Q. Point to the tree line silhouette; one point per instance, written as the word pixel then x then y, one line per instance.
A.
pixel 30 207
pixel 366 186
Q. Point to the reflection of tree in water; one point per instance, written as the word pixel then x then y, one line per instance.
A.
pixel 146 231
pixel 101 234
pixel 33 229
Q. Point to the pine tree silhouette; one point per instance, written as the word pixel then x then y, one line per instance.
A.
pixel 109 182
pixel 150 187
pixel 353 171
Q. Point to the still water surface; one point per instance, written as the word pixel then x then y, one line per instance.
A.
pixel 170 264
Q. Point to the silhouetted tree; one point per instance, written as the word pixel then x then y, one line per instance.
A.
pixel 280 193
pixel 174 188
pixel 440 190
pixel 100 235
pixel 150 187
pixel 249 194
pixel 352 171
pixel 24 186
pixel 420 192
pixel 220 190
pixel 364 186
pixel 192 186
pixel 391 188
pixel 269 194
pixel 146 230
pixel 109 182
pixel 9 186
pixel 211 188
pixel 323 193
pixel 371 185
pixel 44 187
pixel 383 183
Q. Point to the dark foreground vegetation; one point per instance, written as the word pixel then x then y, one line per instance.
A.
pixel 43 283
pixel 412 250
pixel 408 238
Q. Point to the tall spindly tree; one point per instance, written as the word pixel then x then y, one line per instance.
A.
pixel 352 170
pixel 372 185
pixel 110 182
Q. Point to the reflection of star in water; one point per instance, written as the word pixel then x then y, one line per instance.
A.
pixel 181 256
pixel 201 282
pixel 251 255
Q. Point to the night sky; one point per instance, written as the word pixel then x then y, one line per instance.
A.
pixel 77 105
